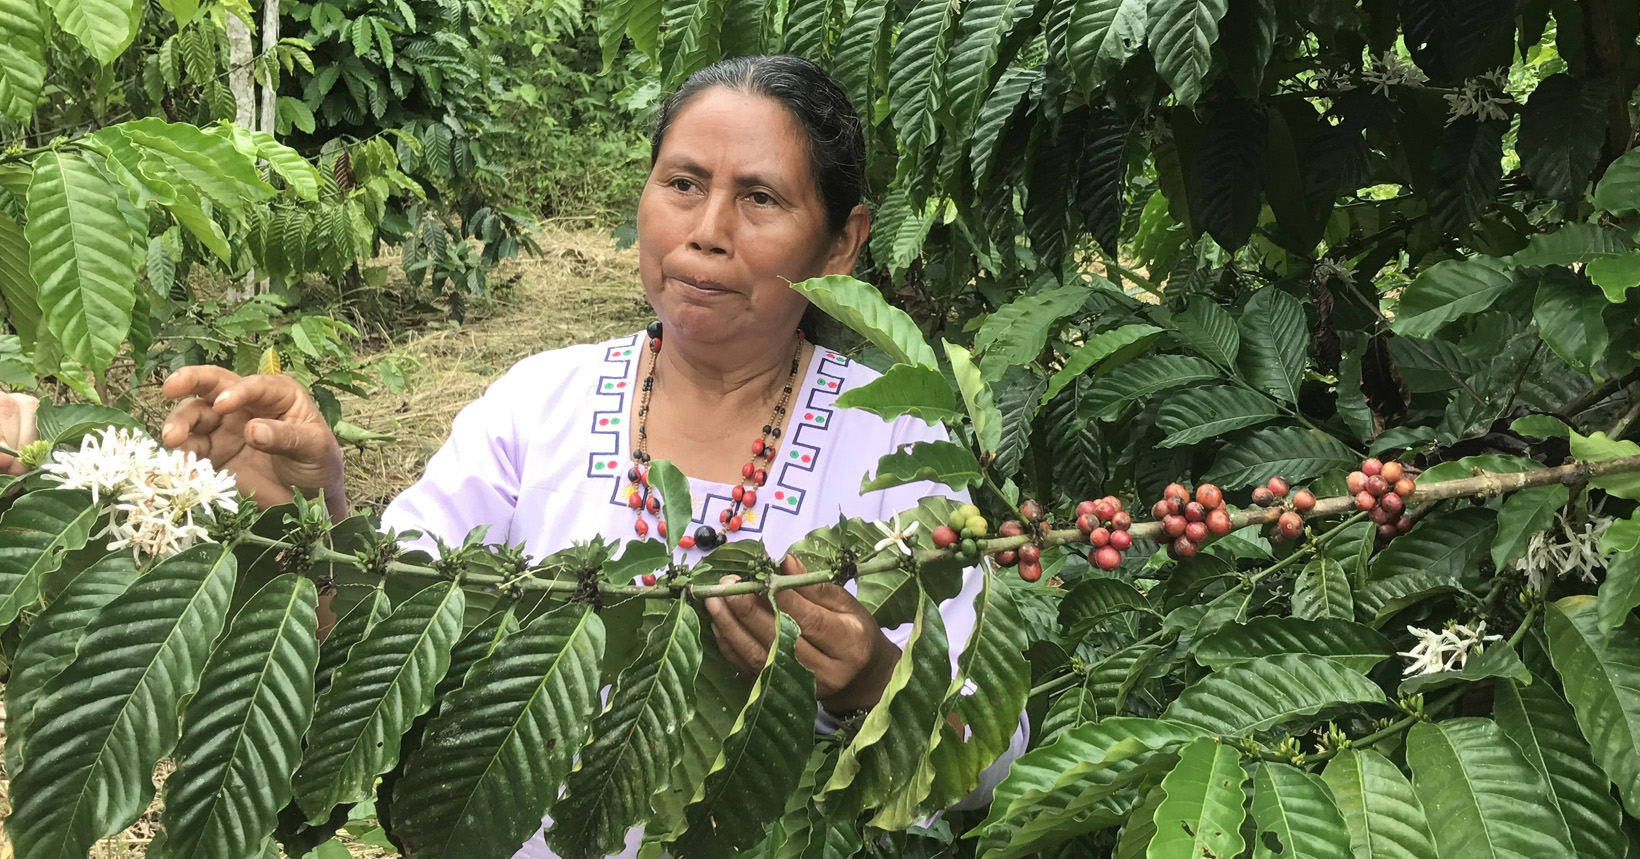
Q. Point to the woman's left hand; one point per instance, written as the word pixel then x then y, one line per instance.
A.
pixel 841 642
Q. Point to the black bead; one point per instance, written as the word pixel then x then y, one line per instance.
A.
pixel 632 475
pixel 706 538
pixel 788 389
pixel 654 330
pixel 766 429
pixel 776 432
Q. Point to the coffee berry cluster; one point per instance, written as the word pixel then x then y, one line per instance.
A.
pixel 1277 492
pixel 1381 489
pixel 1187 520
pixel 963 530
pixel 1106 524
pixel 1029 556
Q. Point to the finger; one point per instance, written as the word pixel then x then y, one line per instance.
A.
pixel 27 432
pixel 735 643
pixel 301 442
pixel 203 381
pixel 11 465
pixel 264 397
pixel 8 421
pixel 191 417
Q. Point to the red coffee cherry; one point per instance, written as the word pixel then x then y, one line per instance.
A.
pixel 1184 547
pixel 1218 522
pixel 1263 497
pixel 1115 503
pixel 1160 510
pixel 1303 500
pixel 1391 471
pixel 1120 540
pixel 1403 524
pixel 1356 482
pixel 1173 526
pixel 1099 537
pixel 1405 487
pixel 1107 558
pixel 1365 500
pixel 1086 523
pixel 1030 511
pixel 1084 508
pixel 1278 487
pixel 1194 512
pixel 1377 485
pixel 1030 572
pixel 945 537
pixel 1388 530
pixel 1008 557
pixel 648 580
pixel 1195 532
pixel 1291 524
pixel 1103 510
pixel 1379 516
pixel 1030 554
pixel 1372 467
pixel 1392 504
pixel 1175 490
pixel 1209 496
pixel 1121 521
pixel 1011 528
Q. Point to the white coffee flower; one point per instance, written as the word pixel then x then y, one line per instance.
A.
pixel 1482 98
pixel 1390 70
pixel 895 535
pixel 154 497
pixel 1447 650
pixel 1339 80
pixel 1565 548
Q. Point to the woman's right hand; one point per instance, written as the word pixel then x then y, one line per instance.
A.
pixel 265 430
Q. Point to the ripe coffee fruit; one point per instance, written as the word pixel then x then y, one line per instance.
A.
pixel 1106 558
pixel 1120 540
pixel 1030 572
pixel 1209 496
pixel 1379 515
pixel 1392 504
pixel 1194 512
pixel 1030 554
pixel 1303 500
pixel 1403 524
pixel 1377 485
pixel 1365 500
pixel 1175 490
pixel 1278 487
pixel 1099 537
pixel 1218 523
pixel 1084 508
pixel 1195 531
pixel 1173 526
pixel 1008 557
pixel 1356 482
pixel 1086 523
pixel 1291 524
pixel 1184 547
pixel 1103 510
pixel 1391 471
pixel 944 537
pixel 1387 530
pixel 648 580
pixel 1404 487
pixel 1031 511
pixel 1160 509
pixel 1011 528
pixel 1121 521
pixel 1372 467
pixel 1263 497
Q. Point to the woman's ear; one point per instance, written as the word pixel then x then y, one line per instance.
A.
pixel 846 247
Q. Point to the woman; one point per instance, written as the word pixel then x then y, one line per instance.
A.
pixel 756 179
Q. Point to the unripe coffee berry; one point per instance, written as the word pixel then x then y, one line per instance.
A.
pixel 1372 467
pixel 1303 500
pixel 1030 572
pixel 1120 540
pixel 1278 487
pixel 1377 485
pixel 970 548
pixel 1391 471
pixel 1291 524
pixel 1194 512
pixel 1107 558
pixel 977 525
pixel 1392 504
pixel 1184 547
pixel 1030 554
pixel 1218 523
pixel 1365 500
pixel 1195 531
pixel 1356 482
pixel 1099 537
pixel 1121 521
pixel 1209 496
pixel 1008 557
pixel 1173 526
pixel 944 537
pixel 1263 497
pixel 1405 487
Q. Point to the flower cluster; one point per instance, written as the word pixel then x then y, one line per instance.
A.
pixel 1482 98
pixel 1390 70
pixel 895 535
pixel 154 497
pixel 1447 650
pixel 1563 549
pixel 1339 80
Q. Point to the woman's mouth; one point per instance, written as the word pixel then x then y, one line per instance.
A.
pixel 701 284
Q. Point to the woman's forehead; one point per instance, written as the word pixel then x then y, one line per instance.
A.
pixel 727 129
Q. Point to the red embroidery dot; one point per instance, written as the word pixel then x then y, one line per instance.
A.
pixel 779 496
pixel 623 384
pixel 603 422
pixel 805 457
pixel 612 463
pixel 831 384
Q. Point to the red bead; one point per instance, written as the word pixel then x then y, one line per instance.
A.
pixel 749 497
pixel 641 527
pixel 724 516
pixel 757 447
pixel 643 477
pixel 686 542
pixel 654 504
pixel 661 527
pixel 733 524
pixel 748 470
pixel 760 476
pixel 648 580
pixel 634 501
pixel 655 344
pixel 737 493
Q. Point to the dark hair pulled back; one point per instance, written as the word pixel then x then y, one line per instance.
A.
pixel 837 146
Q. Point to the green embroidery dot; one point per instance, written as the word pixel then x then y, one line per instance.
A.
pixel 820 420
pixel 627 352
pixel 794 454
pixel 792 500
pixel 609 385
pixel 614 420
pixel 598 466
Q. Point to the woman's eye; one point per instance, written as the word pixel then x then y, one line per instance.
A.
pixel 761 198
pixel 682 184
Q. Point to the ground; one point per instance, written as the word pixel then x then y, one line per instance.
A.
pixel 579 290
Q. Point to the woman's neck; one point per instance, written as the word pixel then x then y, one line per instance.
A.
pixel 724 379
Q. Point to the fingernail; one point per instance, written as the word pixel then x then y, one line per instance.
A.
pixel 260 434
pixel 165 430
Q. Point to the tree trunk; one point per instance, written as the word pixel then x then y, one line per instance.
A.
pixel 240 83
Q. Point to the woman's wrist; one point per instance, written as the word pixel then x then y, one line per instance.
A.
pixel 866 689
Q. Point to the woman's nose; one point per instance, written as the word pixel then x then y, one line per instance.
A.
pixel 714 225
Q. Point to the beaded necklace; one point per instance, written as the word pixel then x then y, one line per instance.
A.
pixel 753 474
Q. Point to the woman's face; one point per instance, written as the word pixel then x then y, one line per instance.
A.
pixel 730 216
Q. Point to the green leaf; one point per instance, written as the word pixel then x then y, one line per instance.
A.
pixel 1596 446
pixel 1615 275
pixel 1523 514
pixel 348 631
pixel 1601 678
pixel 634 742
pixel 938 461
pixel 1383 815
pixel 1017 332
pixel 80 255
pixel 914 72
pixel 1622 535
pixel 854 62
pixel 48 646
pixel 245 726
pixel 1619 189
pixel 1295 453
pixel 17 288
pixel 1497 660
pixel 1111 679
pixel 1569 313
pixel 1103 35
pixel 1450 290
pixel 977 396
pixel 762 760
pixel 677 507
pixel 211 163
pixel 1322 591
pixel 1619 591
pixel 1542 725
pixel 1484 800
pixel 67 423
pixel 1140 827
pixel 885 751
pixel 1203 811
pixel 1096 349
pixel 1296 816
pixel 1276 341
pixel 719 693
pixel 974 53
pixel 1225 173
pixel 862 308
pixel 1198 414
pixel 102 724
pixel 1262 693
pixel 104 27
pixel 1351 645
pixel 299 174
pixel 1570 244
pixel 22 58
pixel 1449 544
pixel 1093 599
pixel 1114 393
pixel 35 534
pixel 1182 33
pixel 994 117
pixel 1211 331
pixel 386 682
pixel 493 760
pixel 1381 598
pixel 906 389
pixel 1562 127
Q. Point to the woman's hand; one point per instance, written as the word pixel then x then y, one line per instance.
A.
pixel 841 642
pixel 16 429
pixel 266 430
